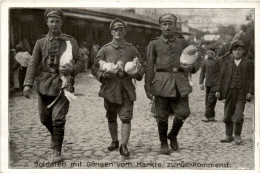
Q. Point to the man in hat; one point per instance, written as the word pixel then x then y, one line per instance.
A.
pixel 118 89
pixel 236 85
pixel 47 52
pixel 168 82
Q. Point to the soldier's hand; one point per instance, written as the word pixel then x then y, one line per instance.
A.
pixel 201 86
pixel 27 91
pixel 66 69
pixel 249 97
pixel 107 75
pixel 217 95
pixel 149 96
pixel 187 67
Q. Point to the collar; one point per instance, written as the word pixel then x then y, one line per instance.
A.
pixel 237 62
pixel 166 40
pixel 116 45
pixel 51 37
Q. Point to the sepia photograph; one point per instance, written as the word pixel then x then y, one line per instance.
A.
pixel 130 88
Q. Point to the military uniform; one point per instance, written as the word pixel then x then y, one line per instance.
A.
pixel 46 54
pixel 168 82
pixel 118 91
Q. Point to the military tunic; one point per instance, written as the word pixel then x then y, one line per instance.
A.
pixel 119 92
pixel 49 82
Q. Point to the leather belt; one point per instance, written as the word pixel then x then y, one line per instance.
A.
pixel 52 70
pixel 170 70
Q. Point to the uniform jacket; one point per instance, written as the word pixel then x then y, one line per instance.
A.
pixel 226 76
pixel 50 83
pixel 111 89
pixel 165 54
pixel 210 69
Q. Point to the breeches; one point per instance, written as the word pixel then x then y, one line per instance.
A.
pixel 55 115
pixel 124 110
pixel 166 105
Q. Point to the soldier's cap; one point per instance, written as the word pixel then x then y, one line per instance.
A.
pixel 167 18
pixel 117 23
pixel 53 12
pixel 236 43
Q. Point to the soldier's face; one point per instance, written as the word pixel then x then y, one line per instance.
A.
pixel 168 28
pixel 238 52
pixel 54 24
pixel 118 33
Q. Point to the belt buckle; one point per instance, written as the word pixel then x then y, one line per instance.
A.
pixel 174 70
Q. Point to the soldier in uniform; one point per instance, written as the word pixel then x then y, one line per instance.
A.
pixel 47 51
pixel 168 83
pixel 118 90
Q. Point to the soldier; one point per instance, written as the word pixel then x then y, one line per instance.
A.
pixel 47 51
pixel 169 82
pixel 118 90
pixel 210 69
pixel 236 85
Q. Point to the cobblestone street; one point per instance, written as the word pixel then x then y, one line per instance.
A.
pixel 87 137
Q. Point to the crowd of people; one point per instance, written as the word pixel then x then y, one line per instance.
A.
pixel 229 77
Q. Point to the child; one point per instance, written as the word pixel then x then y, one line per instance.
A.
pixel 236 85
pixel 210 69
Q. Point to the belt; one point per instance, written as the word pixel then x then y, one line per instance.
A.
pixel 170 70
pixel 52 70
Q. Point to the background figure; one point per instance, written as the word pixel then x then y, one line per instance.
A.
pixel 12 64
pixel 93 53
pixel 84 53
pixel 23 57
pixel 236 85
pixel 210 69
pixel 26 45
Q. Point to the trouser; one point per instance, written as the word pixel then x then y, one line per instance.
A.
pixel 164 106
pixel 210 102
pixel 233 110
pixel 54 118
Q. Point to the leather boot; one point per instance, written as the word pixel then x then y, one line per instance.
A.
pixel 125 134
pixel 112 126
pixel 172 136
pixel 58 134
pixel 49 126
pixel 229 133
pixel 162 129
pixel 237 132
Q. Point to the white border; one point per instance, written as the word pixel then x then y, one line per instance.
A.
pixel 141 4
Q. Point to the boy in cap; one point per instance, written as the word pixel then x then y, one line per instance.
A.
pixel 47 52
pixel 118 90
pixel 167 81
pixel 236 85
pixel 210 69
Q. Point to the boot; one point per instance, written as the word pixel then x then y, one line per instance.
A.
pixel 237 132
pixel 125 134
pixel 172 136
pixel 49 126
pixel 162 129
pixel 229 133
pixel 112 126
pixel 58 134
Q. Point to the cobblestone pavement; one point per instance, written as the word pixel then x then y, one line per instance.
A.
pixel 87 137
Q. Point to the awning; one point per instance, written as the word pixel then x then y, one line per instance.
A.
pixel 104 19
